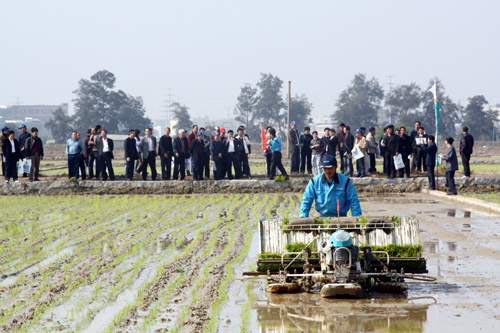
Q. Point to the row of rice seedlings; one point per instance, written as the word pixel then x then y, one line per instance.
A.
pixel 173 285
pixel 141 244
pixel 248 230
pixel 92 276
pixel 218 227
pixel 234 226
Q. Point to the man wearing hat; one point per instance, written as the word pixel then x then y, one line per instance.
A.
pixel 333 193
pixel 23 138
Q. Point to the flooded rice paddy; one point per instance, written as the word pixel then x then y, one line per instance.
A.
pixel 176 263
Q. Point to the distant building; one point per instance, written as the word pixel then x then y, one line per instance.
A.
pixel 31 115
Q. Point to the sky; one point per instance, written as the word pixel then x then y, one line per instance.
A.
pixel 202 52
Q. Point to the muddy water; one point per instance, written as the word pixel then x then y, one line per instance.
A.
pixel 462 246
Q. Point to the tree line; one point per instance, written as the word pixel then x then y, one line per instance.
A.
pixel 264 104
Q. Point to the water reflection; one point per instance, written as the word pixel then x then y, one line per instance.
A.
pixel 309 313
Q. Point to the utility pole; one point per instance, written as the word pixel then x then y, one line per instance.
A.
pixel 288 119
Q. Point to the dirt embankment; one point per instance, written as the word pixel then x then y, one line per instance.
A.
pixel 370 185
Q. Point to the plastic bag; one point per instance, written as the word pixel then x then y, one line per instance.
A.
pixel 398 162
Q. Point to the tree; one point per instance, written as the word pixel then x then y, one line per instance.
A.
pixel 270 106
pixel 97 102
pixel 479 117
pixel 59 125
pixel 359 104
pixel 181 115
pixel 245 110
pixel 301 111
pixel 449 111
pixel 403 103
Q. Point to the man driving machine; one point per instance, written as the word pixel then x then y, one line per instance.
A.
pixel 333 193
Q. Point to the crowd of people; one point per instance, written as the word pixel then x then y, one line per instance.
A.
pixel 402 153
pixel 190 154
pixel 225 154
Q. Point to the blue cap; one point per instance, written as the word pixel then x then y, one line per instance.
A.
pixel 328 161
pixel 22 126
pixel 5 129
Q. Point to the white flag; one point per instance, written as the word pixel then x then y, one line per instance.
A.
pixel 433 90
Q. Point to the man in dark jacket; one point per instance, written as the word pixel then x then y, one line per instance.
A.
pixel 166 152
pixel 3 137
pixel 217 150
pixel 391 144
pixel 293 139
pixel 405 149
pixel 181 153
pixel 348 145
pixel 34 151
pixel 131 154
pixel 450 157
pixel 306 151
pixel 148 151
pixel 430 160
pixel 11 153
pixel 413 134
pixel 466 147
pixel 23 137
pixel 420 143
pixel 105 148
pixel 197 150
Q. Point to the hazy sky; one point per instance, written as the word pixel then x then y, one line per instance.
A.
pixel 205 50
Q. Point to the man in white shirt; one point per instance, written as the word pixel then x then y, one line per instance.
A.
pixel 105 156
pixel 148 150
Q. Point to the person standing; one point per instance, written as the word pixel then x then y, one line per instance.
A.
pixel 166 152
pixel 92 153
pixel 348 145
pixel 181 154
pixel 420 145
pixel 275 146
pixel 371 149
pixel 217 150
pixel 341 146
pixel 105 148
pixel 34 151
pixel 466 147
pixel 81 161
pixel 293 139
pixel 24 163
pixel 131 154
pixel 138 163
pixel 316 153
pixel 405 149
pixel 391 144
pixel 191 137
pixel 451 166
pixel 232 160
pixel 12 154
pixel 413 135
pixel 430 161
pixel 305 151
pixel 267 152
pixel 206 153
pixel 361 144
pixel 3 137
pixel 244 152
pixel 73 150
pixel 197 148
pixel 148 150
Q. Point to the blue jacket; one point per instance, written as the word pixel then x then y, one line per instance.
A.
pixel 325 196
pixel 73 147
pixel 275 145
